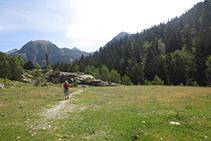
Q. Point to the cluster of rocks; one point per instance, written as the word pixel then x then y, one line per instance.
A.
pixel 81 79
pixel 27 78
pixel 71 77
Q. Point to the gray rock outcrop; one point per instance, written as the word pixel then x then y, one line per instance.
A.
pixel 82 79
pixel 71 77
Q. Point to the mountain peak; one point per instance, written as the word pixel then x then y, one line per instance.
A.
pixel 44 42
pixel 119 36
pixel 122 34
pixel 35 52
pixel 76 49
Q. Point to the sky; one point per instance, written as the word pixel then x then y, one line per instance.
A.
pixel 85 24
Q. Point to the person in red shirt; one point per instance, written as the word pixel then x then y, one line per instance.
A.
pixel 66 89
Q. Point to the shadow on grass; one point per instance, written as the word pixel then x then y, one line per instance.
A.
pixel 61 100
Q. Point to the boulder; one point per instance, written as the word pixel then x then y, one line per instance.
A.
pixel 67 76
pixel 112 84
pixel 12 87
pixel 28 76
pixel 24 79
pixel 99 82
pixel 2 86
pixel 83 79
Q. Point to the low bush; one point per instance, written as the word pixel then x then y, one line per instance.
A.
pixel 37 82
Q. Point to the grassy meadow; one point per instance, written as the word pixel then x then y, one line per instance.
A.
pixel 108 113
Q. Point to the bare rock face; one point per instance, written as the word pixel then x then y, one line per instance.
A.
pixel 67 76
pixel 83 79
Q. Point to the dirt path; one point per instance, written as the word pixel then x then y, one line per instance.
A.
pixel 57 111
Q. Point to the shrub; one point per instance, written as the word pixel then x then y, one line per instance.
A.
pixel 157 81
pixel 181 84
pixel 191 82
pixel 195 84
pixel 126 80
pixel 7 83
pixel 37 66
pixel 114 76
pixel 146 82
pixel 37 82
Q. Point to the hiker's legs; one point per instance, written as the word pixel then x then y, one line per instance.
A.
pixel 65 93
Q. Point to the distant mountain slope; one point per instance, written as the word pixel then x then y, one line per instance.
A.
pixel 119 36
pixel 10 52
pixel 73 54
pixel 35 51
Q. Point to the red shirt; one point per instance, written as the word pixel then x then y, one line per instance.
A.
pixel 66 85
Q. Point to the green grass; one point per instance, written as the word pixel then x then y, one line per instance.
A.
pixel 109 113
pixel 8 83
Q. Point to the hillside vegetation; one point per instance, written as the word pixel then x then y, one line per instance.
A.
pixel 107 113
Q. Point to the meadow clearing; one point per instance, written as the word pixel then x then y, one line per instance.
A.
pixel 107 113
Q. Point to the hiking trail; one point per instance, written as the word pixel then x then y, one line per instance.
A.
pixel 58 111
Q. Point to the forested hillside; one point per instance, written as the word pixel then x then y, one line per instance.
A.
pixel 178 52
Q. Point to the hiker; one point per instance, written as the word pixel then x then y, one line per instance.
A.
pixel 66 89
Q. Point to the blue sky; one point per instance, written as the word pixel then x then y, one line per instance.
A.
pixel 85 24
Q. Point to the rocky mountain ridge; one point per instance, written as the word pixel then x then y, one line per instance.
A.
pixel 35 51
pixel 11 51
